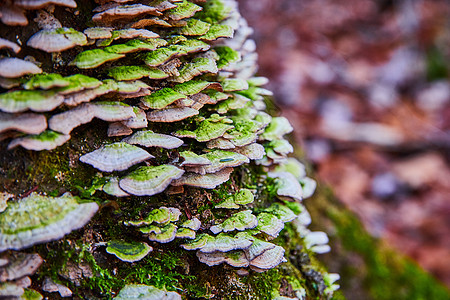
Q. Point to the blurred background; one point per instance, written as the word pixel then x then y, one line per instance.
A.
pixel 365 83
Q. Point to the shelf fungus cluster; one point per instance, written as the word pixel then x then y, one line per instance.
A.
pixel 169 89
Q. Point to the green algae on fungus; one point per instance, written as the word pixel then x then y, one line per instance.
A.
pixel 148 181
pixel 197 66
pixel 239 221
pixel 206 131
pixel 269 224
pixel 158 215
pixel 129 252
pixel 214 11
pixel 39 219
pixel 244 132
pixel 243 197
pixel 184 10
pixel 222 242
pixel 45 81
pixel 136 45
pixel 112 188
pixel 227 56
pixel 221 159
pixel 167 234
pixel 46 140
pixel 90 59
pixel 79 82
pixel 112 110
pixel 136 72
pixel 282 212
pixel 193 224
pixel 162 98
pixel 281 147
pixel 115 157
pixel 191 159
pixel 278 127
pixel 142 291
pixel 257 81
pixel 234 84
pixel 235 102
pixel 218 31
pixel 161 56
pixel 40 101
pixel 185 233
pixel 194 27
pixel 194 87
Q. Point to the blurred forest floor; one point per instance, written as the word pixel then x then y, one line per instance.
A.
pixel 366 86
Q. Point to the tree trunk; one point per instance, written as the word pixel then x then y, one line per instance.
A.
pixel 80 259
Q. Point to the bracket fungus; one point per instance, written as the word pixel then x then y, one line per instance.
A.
pixel 189 62
pixel 193 224
pixel 112 188
pixel 142 291
pixel 27 123
pixel 57 40
pixel 243 197
pixel 47 219
pixel 239 221
pixel 148 181
pixel 159 215
pixel 148 138
pixel 207 181
pixel 11 67
pixel 233 258
pixel 288 186
pixel 166 235
pixel 161 98
pixel 9 45
pixel 129 252
pixel 185 233
pixel 115 157
pixel 46 140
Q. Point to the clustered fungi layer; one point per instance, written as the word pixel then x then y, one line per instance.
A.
pixel 138 66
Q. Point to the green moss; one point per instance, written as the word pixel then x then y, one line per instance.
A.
pixel 264 284
pixel 387 274
pixel 437 65
pixel 161 270
pixel 103 280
